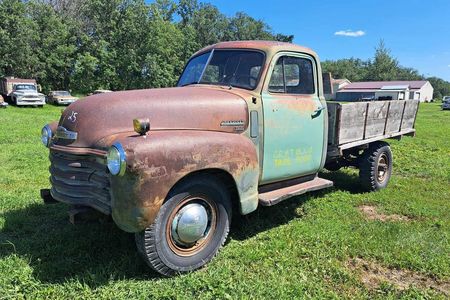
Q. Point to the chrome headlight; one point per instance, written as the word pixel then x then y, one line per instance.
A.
pixel 46 135
pixel 116 160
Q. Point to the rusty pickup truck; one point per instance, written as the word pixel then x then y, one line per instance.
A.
pixel 247 125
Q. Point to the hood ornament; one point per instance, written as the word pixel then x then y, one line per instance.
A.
pixel 73 117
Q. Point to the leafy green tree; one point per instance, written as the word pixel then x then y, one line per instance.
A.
pixel 353 69
pixel 244 27
pixel 383 67
pixel 17 40
pixel 56 47
pixel 441 87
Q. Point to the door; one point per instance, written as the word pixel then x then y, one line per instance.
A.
pixel 294 119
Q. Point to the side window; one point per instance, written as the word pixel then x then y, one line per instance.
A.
pixel 276 84
pixel 292 75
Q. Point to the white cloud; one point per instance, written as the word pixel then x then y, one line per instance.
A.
pixel 350 32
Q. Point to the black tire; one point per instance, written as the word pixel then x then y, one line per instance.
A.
pixel 156 243
pixel 375 166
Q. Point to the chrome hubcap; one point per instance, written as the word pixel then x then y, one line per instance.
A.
pixel 382 167
pixel 190 224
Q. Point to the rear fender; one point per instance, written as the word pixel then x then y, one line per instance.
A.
pixel 157 161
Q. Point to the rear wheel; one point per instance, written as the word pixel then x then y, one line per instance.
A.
pixel 189 229
pixel 375 166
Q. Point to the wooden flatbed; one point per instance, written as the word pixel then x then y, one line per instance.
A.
pixel 356 124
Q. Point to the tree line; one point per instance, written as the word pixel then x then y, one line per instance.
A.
pixel 382 67
pixel 85 45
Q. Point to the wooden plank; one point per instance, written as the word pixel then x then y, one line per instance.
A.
pixel 409 116
pixel 353 116
pixel 394 117
pixel 333 128
pixel 410 132
pixel 376 119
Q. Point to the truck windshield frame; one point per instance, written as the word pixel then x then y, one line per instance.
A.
pixel 25 87
pixel 240 68
pixel 61 93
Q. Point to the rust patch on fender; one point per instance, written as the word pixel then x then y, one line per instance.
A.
pixel 155 163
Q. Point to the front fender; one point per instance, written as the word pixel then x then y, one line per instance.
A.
pixel 157 161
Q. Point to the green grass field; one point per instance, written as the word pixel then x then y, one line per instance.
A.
pixel 315 246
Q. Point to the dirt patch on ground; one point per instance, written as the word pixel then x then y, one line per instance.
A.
pixel 371 213
pixel 372 275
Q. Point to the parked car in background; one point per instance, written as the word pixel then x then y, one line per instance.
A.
pixel 446 103
pixel 99 92
pixel 21 92
pixel 61 98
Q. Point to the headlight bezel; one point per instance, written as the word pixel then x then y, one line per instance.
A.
pixel 116 165
pixel 46 133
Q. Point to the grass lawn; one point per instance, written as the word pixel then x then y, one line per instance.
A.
pixel 316 246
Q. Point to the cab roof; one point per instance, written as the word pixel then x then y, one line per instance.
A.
pixel 269 47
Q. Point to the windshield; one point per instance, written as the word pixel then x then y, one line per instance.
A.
pixel 61 93
pixel 24 87
pixel 237 68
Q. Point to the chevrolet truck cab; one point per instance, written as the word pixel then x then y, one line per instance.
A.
pixel 21 92
pixel 247 125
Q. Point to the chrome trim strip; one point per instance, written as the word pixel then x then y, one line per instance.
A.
pixel 63 133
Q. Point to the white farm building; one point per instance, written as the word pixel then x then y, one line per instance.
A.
pixel 386 90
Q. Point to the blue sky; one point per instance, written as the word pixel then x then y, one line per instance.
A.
pixel 416 31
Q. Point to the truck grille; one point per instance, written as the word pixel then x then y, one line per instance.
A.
pixel 80 180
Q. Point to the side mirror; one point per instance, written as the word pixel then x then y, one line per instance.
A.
pixel 39 88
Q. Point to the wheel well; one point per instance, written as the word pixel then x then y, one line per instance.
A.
pixel 222 176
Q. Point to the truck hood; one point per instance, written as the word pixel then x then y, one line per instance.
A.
pixel 98 119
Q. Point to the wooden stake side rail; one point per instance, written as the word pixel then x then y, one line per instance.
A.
pixel 358 123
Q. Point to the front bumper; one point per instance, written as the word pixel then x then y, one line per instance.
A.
pixel 29 101
pixel 446 106
pixel 65 102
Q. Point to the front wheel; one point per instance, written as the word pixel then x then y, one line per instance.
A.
pixel 190 228
pixel 375 166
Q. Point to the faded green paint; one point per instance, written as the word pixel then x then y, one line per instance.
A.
pixel 293 132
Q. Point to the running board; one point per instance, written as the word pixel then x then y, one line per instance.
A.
pixel 275 196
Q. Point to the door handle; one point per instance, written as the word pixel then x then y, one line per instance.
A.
pixel 317 112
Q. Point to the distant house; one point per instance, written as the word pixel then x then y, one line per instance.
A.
pixel 386 90
pixel 331 85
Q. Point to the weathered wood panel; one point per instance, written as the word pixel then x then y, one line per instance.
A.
pixel 394 116
pixel 332 122
pixel 409 114
pixel 376 118
pixel 359 121
pixel 352 119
